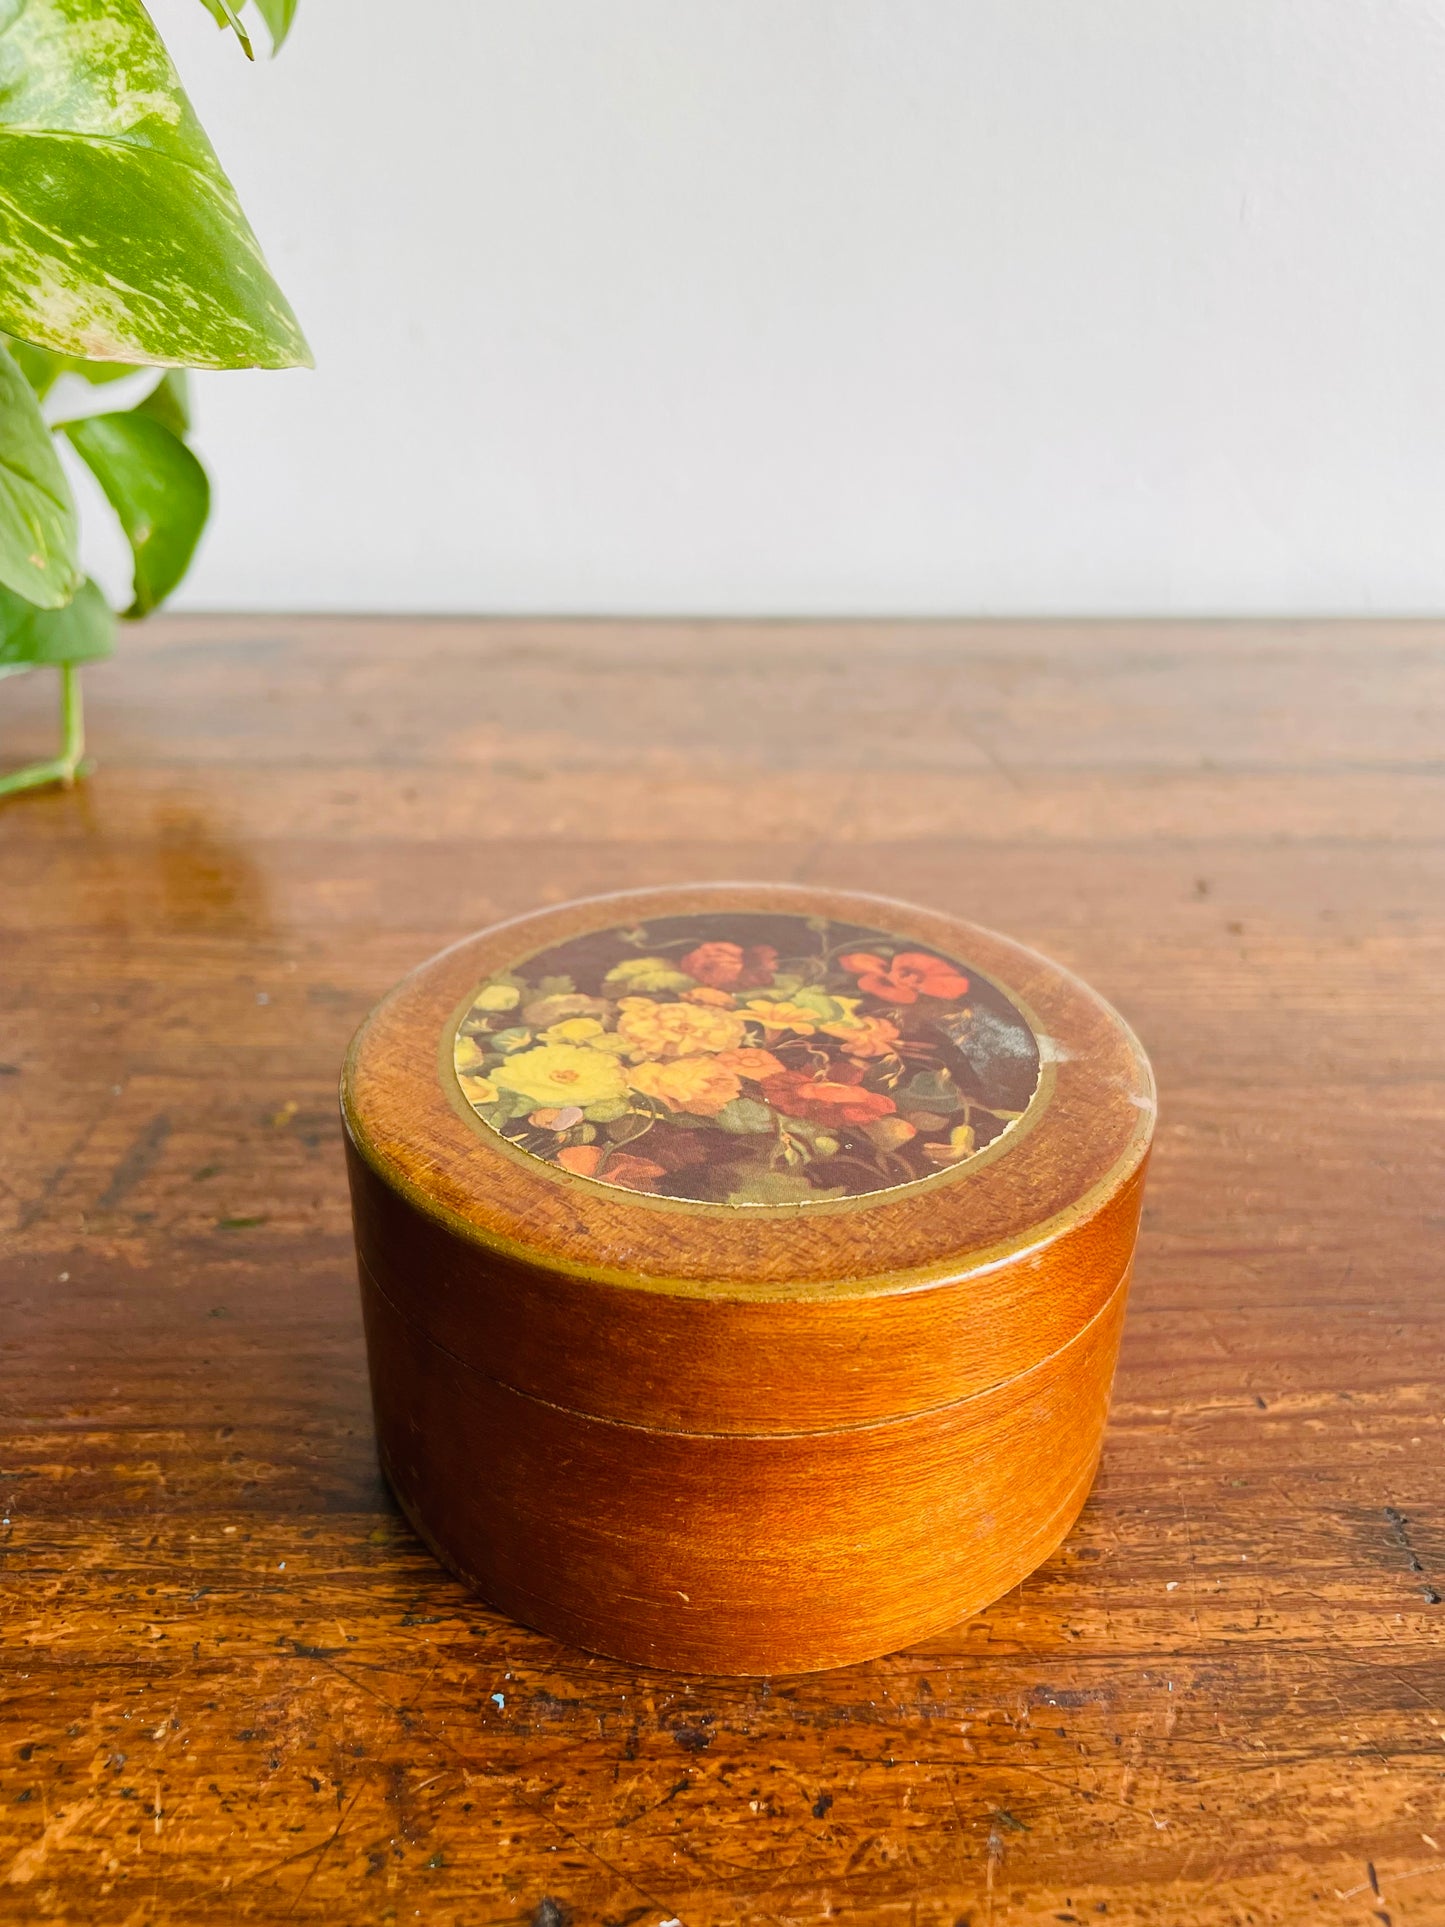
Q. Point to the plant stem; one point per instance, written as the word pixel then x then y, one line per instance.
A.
pixel 70 763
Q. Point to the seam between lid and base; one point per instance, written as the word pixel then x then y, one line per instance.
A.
pixel 795 1432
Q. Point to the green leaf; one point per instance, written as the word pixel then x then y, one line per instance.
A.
pixel 607 1110
pixel 158 490
pixel 120 237
pixel 781 1187
pixel 83 631
pixel 169 402
pixel 555 986
pixel 226 15
pixel 278 15
pixel 825 1008
pixel 933 1091
pixel 42 368
pixel 39 367
pixel 745 1115
pixel 37 514
pixel 507 1041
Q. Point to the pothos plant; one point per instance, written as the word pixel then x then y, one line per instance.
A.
pixel 122 247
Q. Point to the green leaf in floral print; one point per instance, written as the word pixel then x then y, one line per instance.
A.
pixel 745 1116
pixel 782 1187
pixel 120 237
pixel 37 514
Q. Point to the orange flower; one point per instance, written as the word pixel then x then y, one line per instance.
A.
pixel 677 1030
pixel 910 975
pixel 749 1062
pixel 637 1174
pixel 727 966
pixel 821 1101
pixel 704 994
pixel 694 1084
pixel 865 1036
pixel 581 1158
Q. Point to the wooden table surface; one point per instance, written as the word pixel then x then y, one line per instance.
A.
pixel 235 1688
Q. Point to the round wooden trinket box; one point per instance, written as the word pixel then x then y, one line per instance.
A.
pixel 743 1267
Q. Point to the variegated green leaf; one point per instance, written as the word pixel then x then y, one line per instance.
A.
pixel 33 638
pixel 37 514
pixel 158 489
pixel 120 237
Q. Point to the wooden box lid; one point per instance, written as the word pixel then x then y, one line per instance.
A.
pixel 745 1158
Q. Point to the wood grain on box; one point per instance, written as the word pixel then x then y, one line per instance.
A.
pixel 574 1381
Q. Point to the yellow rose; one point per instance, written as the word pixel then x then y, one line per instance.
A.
pixel 478 1090
pixel 557 1075
pixel 542 1011
pixel 467 1055
pixel 677 1030
pixel 783 1016
pixel 646 973
pixel 752 1062
pixel 696 1084
pixel 583 1030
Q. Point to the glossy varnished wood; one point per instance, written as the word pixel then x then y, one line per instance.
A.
pixel 1066 1158
pixel 817 1498
pixel 755 1552
pixel 237 1688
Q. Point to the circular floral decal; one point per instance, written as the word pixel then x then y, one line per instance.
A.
pixel 746 1058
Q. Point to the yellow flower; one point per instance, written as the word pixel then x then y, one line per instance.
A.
pixel 752 1062
pixel 960 1145
pixel 583 1030
pixel 696 1084
pixel 783 1016
pixel 646 973
pixel 865 1036
pixel 478 1090
pixel 562 1074
pixel 677 1030
pixel 542 1011
pixel 498 997
pixel 467 1055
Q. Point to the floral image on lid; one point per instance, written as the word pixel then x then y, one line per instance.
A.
pixel 746 1058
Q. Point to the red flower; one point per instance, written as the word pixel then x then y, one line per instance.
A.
pixel 912 974
pixel 822 1101
pixel 727 966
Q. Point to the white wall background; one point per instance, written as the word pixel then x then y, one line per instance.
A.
pixel 927 306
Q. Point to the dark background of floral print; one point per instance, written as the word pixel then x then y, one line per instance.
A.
pixel 994 1061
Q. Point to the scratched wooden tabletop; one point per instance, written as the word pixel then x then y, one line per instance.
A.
pixel 236 1688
